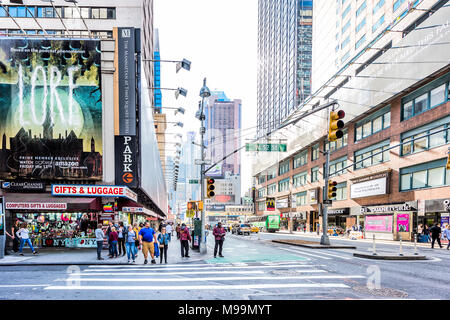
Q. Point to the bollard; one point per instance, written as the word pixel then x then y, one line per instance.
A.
pixel 415 244
pixel 259 235
pixel 374 247
pixel 401 246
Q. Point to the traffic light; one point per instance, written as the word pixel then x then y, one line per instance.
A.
pixel 332 189
pixel 336 124
pixel 210 188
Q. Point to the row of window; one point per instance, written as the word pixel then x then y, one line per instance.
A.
pixel 63 12
pixel 107 34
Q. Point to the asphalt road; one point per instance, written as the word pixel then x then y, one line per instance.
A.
pixel 252 269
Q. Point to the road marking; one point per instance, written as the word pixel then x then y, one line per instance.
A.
pixel 22 285
pixel 308 254
pixel 215 278
pixel 212 268
pixel 150 266
pixel 165 273
pixel 206 287
pixel 331 255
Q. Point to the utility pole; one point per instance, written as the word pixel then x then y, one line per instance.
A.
pixel 325 240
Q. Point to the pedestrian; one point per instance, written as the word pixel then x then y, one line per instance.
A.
pixel 121 241
pixel 16 241
pixel 178 230
pixel 219 235
pixel 447 235
pixel 108 232
pixel 136 229
pixel 147 239
pixel 113 239
pixel 100 236
pixel 185 237
pixel 426 233
pixel 169 231
pixel 163 240
pixel 23 234
pixel 419 229
pixel 436 235
pixel 130 237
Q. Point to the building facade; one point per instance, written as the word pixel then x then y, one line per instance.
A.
pixel 284 59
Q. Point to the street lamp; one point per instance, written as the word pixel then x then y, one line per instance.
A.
pixel 179 124
pixel 183 64
pixel 178 91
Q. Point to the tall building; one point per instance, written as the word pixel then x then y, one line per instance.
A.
pixel 284 59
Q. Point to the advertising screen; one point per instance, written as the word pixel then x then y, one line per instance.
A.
pixel 50 109
pixel 378 223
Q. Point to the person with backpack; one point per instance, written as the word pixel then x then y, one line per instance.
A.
pixel 185 237
pixel 163 240
pixel 24 236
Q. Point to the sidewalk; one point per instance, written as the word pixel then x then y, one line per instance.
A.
pixel 63 256
pixel 340 238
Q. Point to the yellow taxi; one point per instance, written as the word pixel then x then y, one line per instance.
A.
pixel 254 229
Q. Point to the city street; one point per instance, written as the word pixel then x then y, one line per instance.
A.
pixel 251 269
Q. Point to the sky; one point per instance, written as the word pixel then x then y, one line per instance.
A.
pixel 220 39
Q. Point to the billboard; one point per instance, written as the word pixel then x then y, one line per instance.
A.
pixel 50 109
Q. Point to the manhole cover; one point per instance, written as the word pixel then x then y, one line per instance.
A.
pixel 382 292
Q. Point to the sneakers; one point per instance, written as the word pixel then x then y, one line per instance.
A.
pixel 129 260
pixel 215 257
pixel 35 252
pixel 153 261
pixel 20 254
pixel 100 258
pixel 145 261
pixel 221 256
pixel 134 261
pixel 187 256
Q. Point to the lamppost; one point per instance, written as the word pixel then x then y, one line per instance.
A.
pixel 204 93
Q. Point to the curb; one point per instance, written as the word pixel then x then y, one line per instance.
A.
pixel 390 257
pixel 311 246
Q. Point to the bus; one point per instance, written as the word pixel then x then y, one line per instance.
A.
pixel 270 223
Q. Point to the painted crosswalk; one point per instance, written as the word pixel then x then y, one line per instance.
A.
pixel 206 278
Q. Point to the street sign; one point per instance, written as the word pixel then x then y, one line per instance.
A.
pixel 200 162
pixel 266 147
pixel 194 182
pixel 327 201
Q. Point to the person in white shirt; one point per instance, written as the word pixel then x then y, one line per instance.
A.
pixel 169 230
pixel 100 236
pixel 23 234
pixel 446 234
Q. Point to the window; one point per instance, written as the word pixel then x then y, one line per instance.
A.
pixel 345 42
pixel 341 192
pixel 414 141
pixel 378 23
pixel 283 185
pixel 397 5
pixel 426 175
pixel 380 120
pixel 261 206
pixel 347 25
pixel 261 179
pixel 360 25
pixel 425 98
pixel 271 189
pixel 284 167
pixel 338 144
pixel 3 12
pixel 346 11
pixel 361 8
pixel 301 159
pixel 360 41
pixel 272 173
pixel 300 179
pixel 315 174
pixel 301 198
pixel 370 156
pixel 337 165
pixel 378 6
pixel 261 192
pixel 315 152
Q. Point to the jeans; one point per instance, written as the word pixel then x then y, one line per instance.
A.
pixel 121 246
pixel 219 243
pixel 163 252
pixel 114 248
pixel 131 250
pixel 22 243
pixel 99 249
pixel 110 249
pixel 184 248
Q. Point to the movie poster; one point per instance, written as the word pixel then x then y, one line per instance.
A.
pixel 50 109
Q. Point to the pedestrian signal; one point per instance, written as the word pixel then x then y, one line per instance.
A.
pixel 336 124
pixel 332 189
pixel 210 188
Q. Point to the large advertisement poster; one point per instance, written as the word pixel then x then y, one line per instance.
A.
pixel 378 223
pixel 403 222
pixel 50 109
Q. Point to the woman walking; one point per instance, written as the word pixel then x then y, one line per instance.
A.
pixel 131 236
pixel 23 234
pixel 113 238
pixel 121 238
pixel 136 229
pixel 16 240
pixel 163 240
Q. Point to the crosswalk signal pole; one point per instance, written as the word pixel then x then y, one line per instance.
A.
pixel 325 240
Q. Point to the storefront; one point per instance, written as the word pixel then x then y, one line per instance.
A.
pixel 337 218
pixel 436 211
pixel 140 215
pixel 298 220
pixel 390 221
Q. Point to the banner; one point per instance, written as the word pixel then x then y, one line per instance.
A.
pixel 378 223
pixel 403 222
pixel 126 161
pixel 50 109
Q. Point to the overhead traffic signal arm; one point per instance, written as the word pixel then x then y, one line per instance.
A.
pixel 336 125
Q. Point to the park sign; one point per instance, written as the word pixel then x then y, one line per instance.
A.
pixel 266 147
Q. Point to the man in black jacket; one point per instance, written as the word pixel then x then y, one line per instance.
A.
pixel 436 235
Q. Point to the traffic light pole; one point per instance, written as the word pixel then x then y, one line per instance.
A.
pixel 325 240
pixel 202 242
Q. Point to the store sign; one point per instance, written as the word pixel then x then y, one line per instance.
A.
pixel 283 203
pixel 81 243
pixel 23 186
pixel 36 206
pixel 51 109
pixel 369 186
pixel 343 211
pixel 440 205
pixel 133 209
pixel 93 191
pixel 389 208
pixel 270 204
pixel 378 223
pixel 215 207
pixel 126 161
pixel 314 196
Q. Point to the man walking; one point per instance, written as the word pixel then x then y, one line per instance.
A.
pixel 100 236
pixel 185 237
pixel 436 235
pixel 219 235
pixel 169 231
pixel 147 239
pixel 447 235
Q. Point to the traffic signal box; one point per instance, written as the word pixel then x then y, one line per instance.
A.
pixel 332 189
pixel 448 161
pixel 336 125
pixel 210 188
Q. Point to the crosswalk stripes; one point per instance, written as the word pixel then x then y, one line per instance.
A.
pixel 257 276
pixel 320 255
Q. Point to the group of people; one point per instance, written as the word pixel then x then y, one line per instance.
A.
pixel 434 234
pixel 20 236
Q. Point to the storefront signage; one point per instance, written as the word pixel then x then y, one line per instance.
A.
pixel 389 208
pixel 369 186
pixel 51 109
pixel 81 243
pixel 378 223
pixel 2 218
pixel 215 207
pixel 270 204
pixel 314 196
pixel 283 203
pixel 343 211
pixel 35 206
pixel 133 209
pixel 93 191
pixel 125 161
pixel 403 222
pixel 23 186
